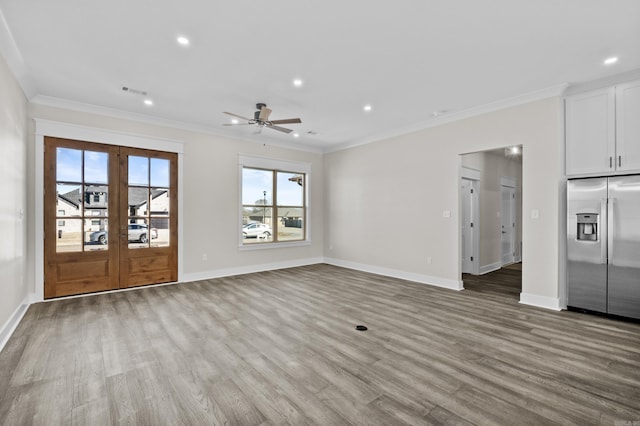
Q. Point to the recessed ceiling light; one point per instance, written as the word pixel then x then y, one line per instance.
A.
pixel 296 135
pixel 611 60
pixel 234 121
pixel 297 82
pixel 148 102
pixel 367 108
pixel 183 40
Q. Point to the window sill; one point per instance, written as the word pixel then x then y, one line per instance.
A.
pixel 262 246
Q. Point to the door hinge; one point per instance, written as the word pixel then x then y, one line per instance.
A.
pixel 472 191
pixel 472 224
pixel 472 258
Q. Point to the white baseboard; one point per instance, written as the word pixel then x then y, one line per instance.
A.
pixel 517 259
pixel 12 323
pixel 409 276
pixel 485 269
pixel 552 303
pixel 249 269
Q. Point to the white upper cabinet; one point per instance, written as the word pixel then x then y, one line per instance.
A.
pixel 603 131
pixel 590 132
pixel 628 126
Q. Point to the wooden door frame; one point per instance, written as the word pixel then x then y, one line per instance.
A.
pixel 102 136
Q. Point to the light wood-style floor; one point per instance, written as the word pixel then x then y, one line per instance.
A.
pixel 281 347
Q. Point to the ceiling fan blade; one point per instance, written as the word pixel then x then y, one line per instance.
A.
pixel 236 115
pixel 265 113
pixel 281 129
pixel 287 121
pixel 237 124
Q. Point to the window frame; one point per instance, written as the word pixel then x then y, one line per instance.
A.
pixel 274 165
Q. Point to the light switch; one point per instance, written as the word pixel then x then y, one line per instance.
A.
pixel 535 214
pixel 446 213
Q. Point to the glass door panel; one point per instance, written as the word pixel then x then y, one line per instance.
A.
pixel 150 203
pixel 79 177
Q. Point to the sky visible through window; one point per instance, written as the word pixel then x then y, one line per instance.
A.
pixel 255 182
pixel 96 168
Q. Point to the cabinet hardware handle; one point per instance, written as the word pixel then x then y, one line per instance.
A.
pixel 619 160
pixel 610 162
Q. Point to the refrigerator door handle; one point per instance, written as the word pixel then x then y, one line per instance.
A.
pixel 604 237
pixel 610 230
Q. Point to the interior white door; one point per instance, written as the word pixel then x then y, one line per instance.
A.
pixel 468 225
pixel 507 223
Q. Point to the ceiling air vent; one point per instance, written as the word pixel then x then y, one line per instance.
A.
pixel 134 91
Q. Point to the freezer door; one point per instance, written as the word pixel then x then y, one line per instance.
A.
pixel 624 246
pixel 586 244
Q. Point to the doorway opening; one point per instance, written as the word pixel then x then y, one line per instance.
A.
pixel 492 180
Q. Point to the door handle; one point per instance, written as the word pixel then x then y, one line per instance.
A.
pixel 603 221
pixel 610 230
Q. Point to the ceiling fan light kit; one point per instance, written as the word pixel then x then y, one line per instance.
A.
pixel 261 119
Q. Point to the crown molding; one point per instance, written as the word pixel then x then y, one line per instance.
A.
pixel 602 82
pixel 553 91
pixel 13 57
pixel 54 102
pixel 549 92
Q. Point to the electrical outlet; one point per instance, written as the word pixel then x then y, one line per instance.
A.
pixel 204 256
pixel 428 260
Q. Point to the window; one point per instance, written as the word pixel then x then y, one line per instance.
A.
pixel 274 201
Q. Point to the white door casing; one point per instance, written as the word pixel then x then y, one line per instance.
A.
pixel 507 219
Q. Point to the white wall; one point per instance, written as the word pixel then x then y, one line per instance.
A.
pixel 492 167
pixel 385 201
pixel 13 186
pixel 210 195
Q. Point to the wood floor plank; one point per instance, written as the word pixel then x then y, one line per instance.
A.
pixel 280 347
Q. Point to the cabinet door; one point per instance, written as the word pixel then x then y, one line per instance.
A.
pixel 628 126
pixel 590 132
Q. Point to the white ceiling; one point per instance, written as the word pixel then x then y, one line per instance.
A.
pixel 407 58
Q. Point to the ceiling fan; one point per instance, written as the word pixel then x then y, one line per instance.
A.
pixel 261 119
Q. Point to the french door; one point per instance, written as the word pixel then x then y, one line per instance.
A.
pixel 110 217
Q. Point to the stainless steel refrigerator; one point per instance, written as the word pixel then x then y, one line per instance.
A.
pixel 603 245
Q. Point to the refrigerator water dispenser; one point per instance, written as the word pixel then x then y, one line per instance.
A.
pixel 587 226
